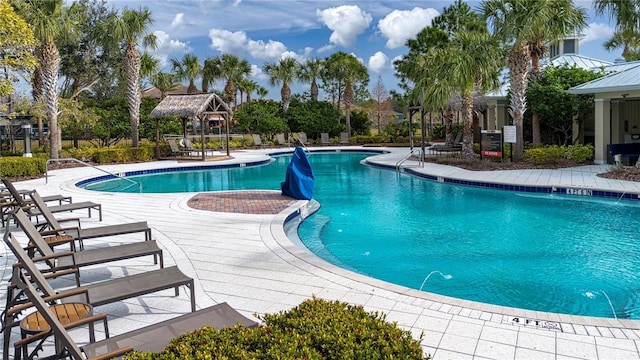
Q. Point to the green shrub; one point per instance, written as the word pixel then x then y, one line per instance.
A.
pixel 14 166
pixel 554 153
pixel 123 154
pixel 315 329
pixel 579 153
pixel 544 155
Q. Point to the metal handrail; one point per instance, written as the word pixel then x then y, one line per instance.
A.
pixel 406 157
pixel 46 174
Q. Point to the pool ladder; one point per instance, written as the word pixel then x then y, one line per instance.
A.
pixel 46 171
pixel 420 154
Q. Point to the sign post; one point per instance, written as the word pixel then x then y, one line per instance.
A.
pixel 510 137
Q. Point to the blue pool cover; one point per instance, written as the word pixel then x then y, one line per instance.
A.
pixel 298 182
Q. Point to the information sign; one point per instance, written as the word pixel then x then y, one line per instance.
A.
pixel 491 143
pixel 510 134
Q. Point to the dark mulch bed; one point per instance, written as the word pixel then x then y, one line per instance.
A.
pixel 631 173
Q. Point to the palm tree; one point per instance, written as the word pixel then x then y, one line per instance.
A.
pixel 516 23
pixel 232 70
pixel 187 69
pixel 283 72
pixel 626 14
pixel 262 92
pixel 309 72
pixel 468 63
pixel 50 22
pixel 164 82
pixel 129 29
pixel 210 72
pixel 249 87
pixel 563 16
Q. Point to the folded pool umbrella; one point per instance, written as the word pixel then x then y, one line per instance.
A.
pixel 298 182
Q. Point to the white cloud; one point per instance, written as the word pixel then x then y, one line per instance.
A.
pixel 378 62
pixel 271 50
pixel 597 31
pixel 228 42
pixel 400 25
pixel 256 72
pixel 178 20
pixel 325 48
pixel 166 46
pixel 297 57
pixel 346 21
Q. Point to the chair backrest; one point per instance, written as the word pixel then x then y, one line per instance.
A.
pixel 62 336
pixel 344 138
pixel 302 137
pixel 14 192
pixel 28 265
pixel 32 233
pixel 458 138
pixel 44 210
pixel 280 138
pixel 173 146
pixel 187 144
pixel 324 138
pixel 256 139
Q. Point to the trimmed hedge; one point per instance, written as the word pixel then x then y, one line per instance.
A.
pixel 15 166
pixel 553 154
pixel 315 329
pixel 110 155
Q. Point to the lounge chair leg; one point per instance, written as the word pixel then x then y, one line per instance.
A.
pixel 193 295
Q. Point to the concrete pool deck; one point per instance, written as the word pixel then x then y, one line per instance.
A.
pixel 247 261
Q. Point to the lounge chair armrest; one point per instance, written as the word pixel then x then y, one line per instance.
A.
pixel 52 256
pixel 76 220
pixel 114 353
pixel 56 230
pixel 58 296
pixel 42 334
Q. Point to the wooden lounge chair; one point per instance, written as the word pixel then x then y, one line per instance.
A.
pixel 175 150
pixel 455 147
pixel 31 211
pixel 77 259
pixel 281 140
pixel 344 138
pixel 151 338
pixel 7 203
pixel 257 141
pixel 324 139
pixel 302 137
pixel 97 294
pixel 51 229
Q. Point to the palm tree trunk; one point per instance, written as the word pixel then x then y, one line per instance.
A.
pixel 50 60
pixel 132 70
pixel 518 68
pixel 467 121
pixel 285 93
pixel 314 90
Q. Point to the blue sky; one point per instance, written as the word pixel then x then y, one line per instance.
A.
pixel 267 30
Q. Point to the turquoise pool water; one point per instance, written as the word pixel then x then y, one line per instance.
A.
pixel 569 255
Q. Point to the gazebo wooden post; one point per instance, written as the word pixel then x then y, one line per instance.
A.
pixel 202 136
pixel 226 127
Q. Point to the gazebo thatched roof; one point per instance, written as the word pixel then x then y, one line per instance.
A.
pixel 197 106
pixel 480 102
pixel 190 106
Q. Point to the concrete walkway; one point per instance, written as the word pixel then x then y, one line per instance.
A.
pixel 247 261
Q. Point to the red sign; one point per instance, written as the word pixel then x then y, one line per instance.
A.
pixel 491 153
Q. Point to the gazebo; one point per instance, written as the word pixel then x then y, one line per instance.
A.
pixel 196 106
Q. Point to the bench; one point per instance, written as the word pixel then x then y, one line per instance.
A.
pixel 627 153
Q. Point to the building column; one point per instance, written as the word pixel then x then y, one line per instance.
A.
pixel 602 129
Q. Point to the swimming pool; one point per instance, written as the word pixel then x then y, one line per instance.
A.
pixel 539 252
